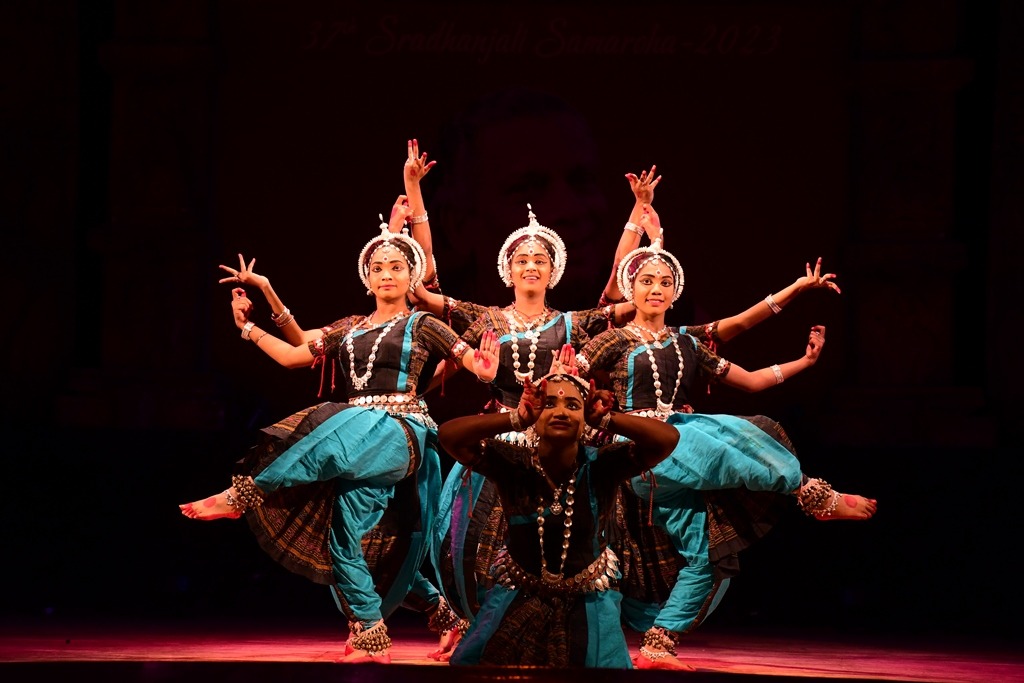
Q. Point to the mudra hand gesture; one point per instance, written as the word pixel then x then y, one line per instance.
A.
pixel 643 186
pixel 416 165
pixel 599 402
pixel 815 343
pixel 241 307
pixel 815 280
pixel 564 361
pixel 531 403
pixel 485 358
pixel 400 213
pixel 244 274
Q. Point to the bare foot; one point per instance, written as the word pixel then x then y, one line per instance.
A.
pixel 848 506
pixel 660 659
pixel 214 507
pixel 364 657
pixel 449 639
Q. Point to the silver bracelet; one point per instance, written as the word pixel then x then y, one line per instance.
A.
pixel 633 227
pixel 605 424
pixel 260 338
pixel 247 329
pixel 513 417
pixel 770 300
pixel 413 220
pixel 779 379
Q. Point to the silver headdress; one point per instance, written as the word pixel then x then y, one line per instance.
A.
pixel 580 383
pixel 638 258
pixel 406 246
pixel 545 238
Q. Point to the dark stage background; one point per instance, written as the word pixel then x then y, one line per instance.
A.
pixel 146 142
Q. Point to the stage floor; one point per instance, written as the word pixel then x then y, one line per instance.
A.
pixel 50 650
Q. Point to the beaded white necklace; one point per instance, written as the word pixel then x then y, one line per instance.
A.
pixel 662 410
pixel 556 509
pixel 531 331
pixel 360 382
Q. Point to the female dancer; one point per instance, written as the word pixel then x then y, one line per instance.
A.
pixel 553 602
pixel 324 477
pixel 470 526
pixel 652 369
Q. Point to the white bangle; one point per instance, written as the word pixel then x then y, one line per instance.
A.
pixel 605 422
pixel 633 227
pixel 413 220
pixel 247 328
pixel 779 379
pixel 513 417
pixel 770 300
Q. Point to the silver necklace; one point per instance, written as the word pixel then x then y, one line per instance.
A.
pixel 531 331
pixel 662 410
pixel 556 509
pixel 360 382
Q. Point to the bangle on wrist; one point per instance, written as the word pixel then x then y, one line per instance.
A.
pixel 513 418
pixel 770 300
pixel 605 424
pixel 414 220
pixel 779 378
pixel 260 338
pixel 283 318
pixel 633 227
pixel 247 329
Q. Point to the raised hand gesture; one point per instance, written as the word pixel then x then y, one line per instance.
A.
pixel 815 280
pixel 651 223
pixel 598 404
pixel 531 403
pixel 643 186
pixel 564 361
pixel 244 274
pixel 416 164
pixel 241 306
pixel 485 358
pixel 815 343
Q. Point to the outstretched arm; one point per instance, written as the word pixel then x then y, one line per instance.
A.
pixel 279 313
pixel 773 304
pixel 758 380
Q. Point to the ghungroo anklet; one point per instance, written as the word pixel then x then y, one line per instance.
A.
pixel 663 640
pixel 374 640
pixel 817 498
pixel 249 495
pixel 443 619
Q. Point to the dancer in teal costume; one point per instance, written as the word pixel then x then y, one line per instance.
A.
pixel 323 478
pixel 722 486
pixel 554 601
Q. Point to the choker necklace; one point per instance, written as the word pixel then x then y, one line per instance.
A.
pixel 360 382
pixel 531 331
pixel 556 509
pixel 662 410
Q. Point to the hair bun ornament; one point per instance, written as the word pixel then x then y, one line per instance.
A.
pixel 632 262
pixel 409 248
pixel 548 239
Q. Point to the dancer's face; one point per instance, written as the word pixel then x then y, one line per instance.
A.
pixel 654 288
pixel 561 418
pixel 530 267
pixel 389 274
